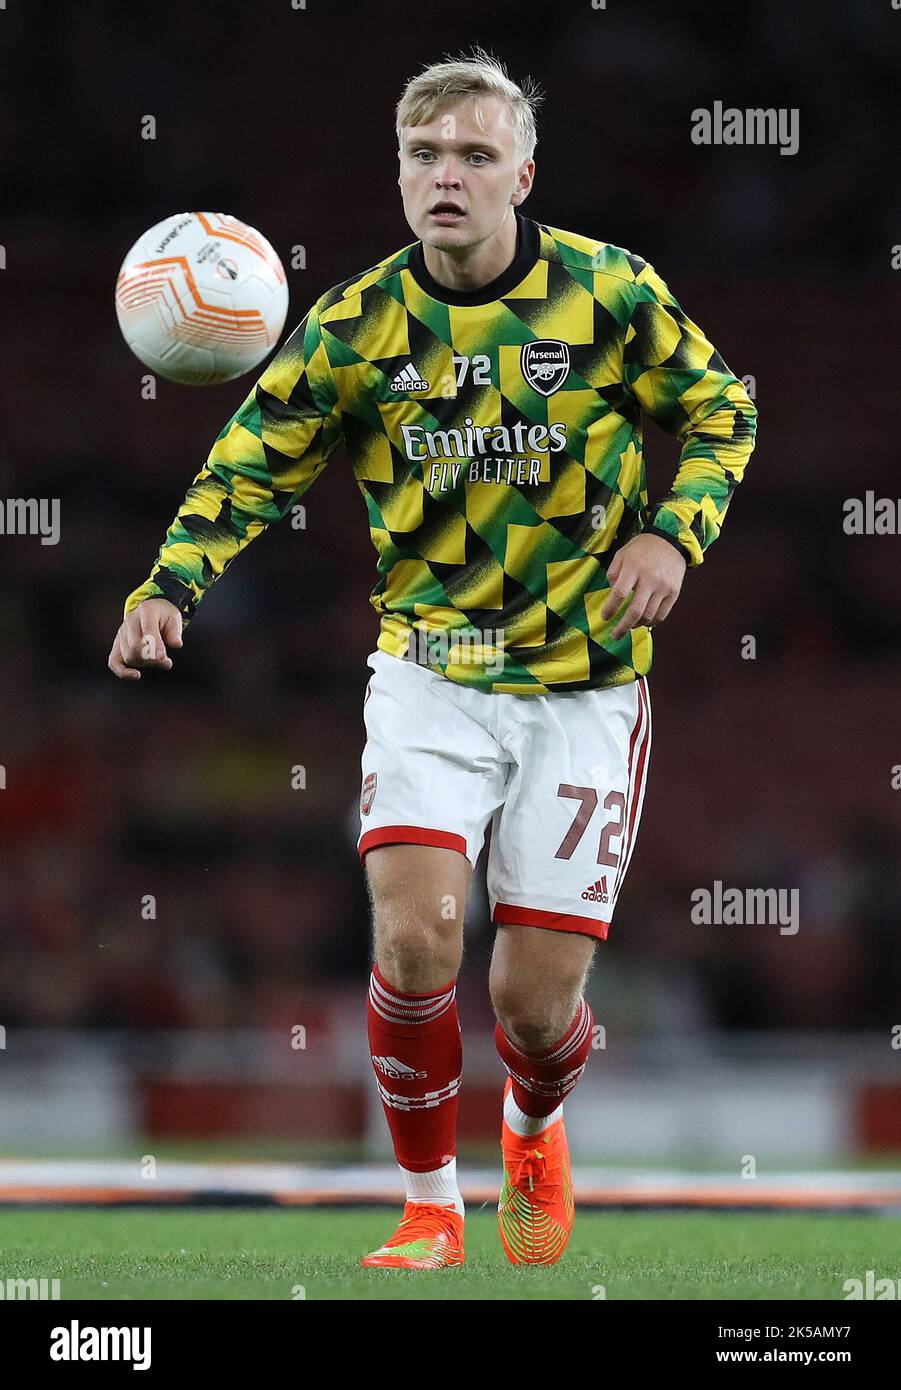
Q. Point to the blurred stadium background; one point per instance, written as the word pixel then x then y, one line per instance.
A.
pixel 172 1029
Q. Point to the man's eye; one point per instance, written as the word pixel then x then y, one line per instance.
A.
pixel 424 156
pixel 482 158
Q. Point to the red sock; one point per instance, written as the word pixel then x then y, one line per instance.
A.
pixel 417 1057
pixel 540 1082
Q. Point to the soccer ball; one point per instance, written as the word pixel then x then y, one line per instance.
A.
pixel 201 298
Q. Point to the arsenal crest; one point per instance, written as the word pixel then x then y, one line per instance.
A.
pixel 368 794
pixel 545 364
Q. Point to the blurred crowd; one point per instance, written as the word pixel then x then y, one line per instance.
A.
pixel 180 852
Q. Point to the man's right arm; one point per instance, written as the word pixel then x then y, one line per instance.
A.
pixel 272 449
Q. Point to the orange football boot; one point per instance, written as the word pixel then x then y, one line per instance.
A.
pixel 536 1209
pixel 430 1236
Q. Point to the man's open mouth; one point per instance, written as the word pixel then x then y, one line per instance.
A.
pixel 446 210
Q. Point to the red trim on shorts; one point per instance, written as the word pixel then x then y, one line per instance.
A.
pixel 634 788
pixel 507 914
pixel 410 835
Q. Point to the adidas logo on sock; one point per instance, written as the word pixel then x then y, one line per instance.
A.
pixel 597 891
pixel 408 379
pixel 398 1071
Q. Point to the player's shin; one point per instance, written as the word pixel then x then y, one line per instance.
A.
pixel 541 1082
pixel 417 1057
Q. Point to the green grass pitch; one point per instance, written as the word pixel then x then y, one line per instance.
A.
pixel 247 1253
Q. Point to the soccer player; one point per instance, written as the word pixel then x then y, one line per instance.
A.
pixel 488 383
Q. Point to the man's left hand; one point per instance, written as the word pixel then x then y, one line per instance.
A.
pixel 651 569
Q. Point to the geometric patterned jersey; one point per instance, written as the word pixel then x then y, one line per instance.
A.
pixel 496 438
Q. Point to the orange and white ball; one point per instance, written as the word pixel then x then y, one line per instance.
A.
pixel 201 298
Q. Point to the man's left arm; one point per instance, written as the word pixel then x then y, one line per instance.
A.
pixel 678 377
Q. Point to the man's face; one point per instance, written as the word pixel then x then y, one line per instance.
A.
pixel 458 177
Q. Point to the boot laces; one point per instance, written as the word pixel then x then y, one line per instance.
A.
pixel 428 1219
pixel 528 1170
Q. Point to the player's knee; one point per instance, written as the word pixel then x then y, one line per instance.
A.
pixel 533 1023
pixel 418 952
pixel 531 1034
pixel 406 940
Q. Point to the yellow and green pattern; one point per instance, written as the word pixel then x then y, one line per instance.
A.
pixel 533 1229
pixel 496 439
pixel 430 1236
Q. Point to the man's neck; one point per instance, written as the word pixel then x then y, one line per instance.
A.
pixel 474 266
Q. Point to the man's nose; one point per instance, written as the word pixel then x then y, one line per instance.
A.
pixel 447 175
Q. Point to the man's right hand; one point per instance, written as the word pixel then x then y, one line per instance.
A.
pixel 143 638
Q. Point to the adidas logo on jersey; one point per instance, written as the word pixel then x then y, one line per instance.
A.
pixel 597 891
pixel 398 1071
pixel 408 379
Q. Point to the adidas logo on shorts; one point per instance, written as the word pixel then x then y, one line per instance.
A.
pixel 367 796
pixel 398 1071
pixel 408 379
pixel 597 891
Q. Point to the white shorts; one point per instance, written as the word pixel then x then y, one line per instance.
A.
pixel 560 778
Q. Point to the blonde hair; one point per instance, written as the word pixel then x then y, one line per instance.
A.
pixel 481 74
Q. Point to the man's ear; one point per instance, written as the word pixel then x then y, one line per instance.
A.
pixel 519 195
